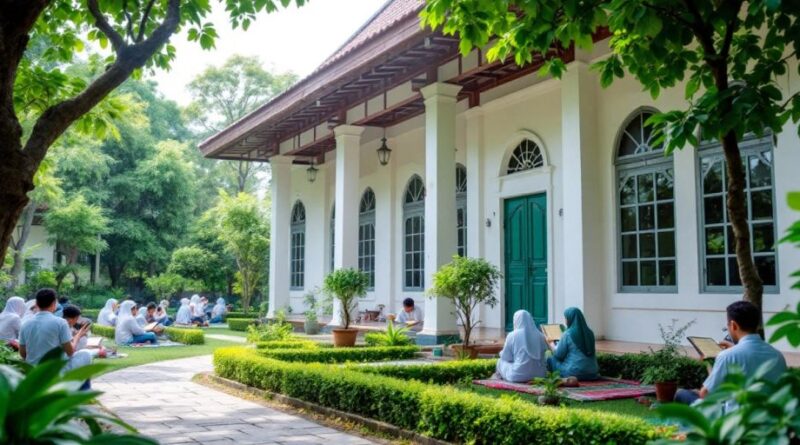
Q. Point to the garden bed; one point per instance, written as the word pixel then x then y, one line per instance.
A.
pixel 241 324
pixel 187 336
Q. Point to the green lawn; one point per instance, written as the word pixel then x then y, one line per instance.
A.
pixel 224 331
pixel 141 356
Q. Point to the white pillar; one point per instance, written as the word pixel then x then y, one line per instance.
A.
pixel 475 212
pixel 348 196
pixel 386 240
pixel 280 215
pixel 580 183
pixel 440 205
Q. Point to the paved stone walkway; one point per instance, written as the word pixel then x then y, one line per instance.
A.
pixel 162 402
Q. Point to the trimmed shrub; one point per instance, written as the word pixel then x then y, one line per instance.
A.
pixel 241 324
pixel 186 336
pixel 692 372
pixel 233 314
pixel 341 355
pixel 441 412
pixel 103 331
pixel 444 373
pixel 293 343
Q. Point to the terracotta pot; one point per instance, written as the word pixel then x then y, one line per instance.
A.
pixel 344 337
pixel 665 391
pixel 472 350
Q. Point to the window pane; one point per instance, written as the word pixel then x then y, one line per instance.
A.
pixel 645 188
pixel 731 242
pixel 629 273
pixel 733 272
pixel 629 219
pixel 664 185
pixel 715 272
pixel 666 215
pixel 666 273
pixel 666 244
pixel 647 270
pixel 715 241
pixel 627 191
pixel 647 245
pixel 760 172
pixel 763 238
pixel 629 248
pixel 762 204
pixel 714 208
pixel 712 182
pixel 766 269
pixel 646 217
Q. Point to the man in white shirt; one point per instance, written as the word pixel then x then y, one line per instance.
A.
pixel 411 315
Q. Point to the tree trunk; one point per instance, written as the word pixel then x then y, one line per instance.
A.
pixel 16 180
pixel 19 261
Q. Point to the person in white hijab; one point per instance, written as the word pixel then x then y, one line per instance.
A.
pixel 106 316
pixel 523 355
pixel 198 311
pixel 184 315
pixel 219 311
pixel 128 331
pixel 11 319
pixel 162 316
pixel 30 310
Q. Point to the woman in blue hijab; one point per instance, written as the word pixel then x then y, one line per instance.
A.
pixel 575 354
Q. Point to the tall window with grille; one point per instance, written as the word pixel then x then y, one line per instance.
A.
pixel 298 247
pixel 332 229
pixel 526 156
pixel 414 235
pixel 646 210
pixel 720 268
pixel 366 236
pixel 461 209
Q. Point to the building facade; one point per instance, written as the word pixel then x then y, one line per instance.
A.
pixel 555 181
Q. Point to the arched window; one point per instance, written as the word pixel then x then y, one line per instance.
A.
pixel 333 236
pixel 646 205
pixel 461 209
pixel 298 247
pixel 718 255
pixel 366 236
pixel 526 156
pixel 414 235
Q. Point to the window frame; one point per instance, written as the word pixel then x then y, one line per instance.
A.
pixel 366 245
pixel 297 248
pixel 412 210
pixel 461 206
pixel 748 146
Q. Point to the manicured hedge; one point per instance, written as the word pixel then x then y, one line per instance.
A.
pixel 288 344
pixel 91 314
pixel 240 324
pixel 103 331
pixel 241 315
pixel 632 366
pixel 341 355
pixel 186 336
pixel 441 412
pixel 450 372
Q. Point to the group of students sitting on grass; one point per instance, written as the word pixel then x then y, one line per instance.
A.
pixel 524 355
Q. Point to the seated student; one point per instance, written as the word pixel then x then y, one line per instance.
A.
pixel 748 354
pixel 72 314
pixel 149 317
pixel 11 319
pixel 162 316
pixel 198 312
pixel 575 354
pixel 523 355
pixel 45 332
pixel 410 313
pixel 219 311
pixel 128 331
pixel 107 315
pixel 30 310
pixel 184 315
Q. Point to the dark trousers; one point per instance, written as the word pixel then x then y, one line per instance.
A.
pixel 686 396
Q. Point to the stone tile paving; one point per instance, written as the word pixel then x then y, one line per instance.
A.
pixel 162 402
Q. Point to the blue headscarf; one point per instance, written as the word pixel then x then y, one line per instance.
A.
pixel 579 331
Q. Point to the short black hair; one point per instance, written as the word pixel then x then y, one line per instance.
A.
pixel 71 311
pixel 63 299
pixel 45 297
pixel 408 302
pixel 745 314
pixel 151 305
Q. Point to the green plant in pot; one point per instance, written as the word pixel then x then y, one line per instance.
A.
pixel 466 282
pixel 663 370
pixel 551 383
pixel 346 285
pixel 311 323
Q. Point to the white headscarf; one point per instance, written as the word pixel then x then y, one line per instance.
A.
pixel 16 306
pixel 531 339
pixel 196 306
pixel 184 315
pixel 106 315
pixel 30 310
pixel 219 308
pixel 124 316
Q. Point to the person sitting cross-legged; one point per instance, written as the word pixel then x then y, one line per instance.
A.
pixel 575 354
pixel 45 332
pixel 748 354
pixel 128 331
pixel 523 356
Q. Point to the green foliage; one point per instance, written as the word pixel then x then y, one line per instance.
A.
pixel 42 406
pixel 186 336
pixel 443 413
pixel 233 314
pixel 290 343
pixel 276 330
pixel 444 373
pixel 91 314
pixel 393 336
pixel 103 331
pixel 691 372
pixel 198 264
pixel 346 285
pixel 467 282
pixel 787 323
pixel 77 225
pixel 664 366
pixel 342 355
pixel 165 285
pixel 11 358
pixel 241 324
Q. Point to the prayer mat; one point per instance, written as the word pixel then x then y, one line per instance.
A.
pixel 604 389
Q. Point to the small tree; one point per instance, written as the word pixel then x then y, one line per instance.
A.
pixel 466 282
pixel 197 263
pixel 346 285
pixel 166 285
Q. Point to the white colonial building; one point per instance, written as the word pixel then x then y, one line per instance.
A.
pixel 556 181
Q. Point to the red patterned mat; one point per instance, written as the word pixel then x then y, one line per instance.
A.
pixel 604 389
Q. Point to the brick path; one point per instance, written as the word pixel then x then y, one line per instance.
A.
pixel 162 402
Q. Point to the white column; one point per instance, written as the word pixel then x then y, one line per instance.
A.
pixel 348 195
pixel 280 215
pixel 440 204
pixel 386 240
pixel 583 287
pixel 475 212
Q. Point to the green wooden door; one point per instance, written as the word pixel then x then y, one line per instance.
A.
pixel 525 229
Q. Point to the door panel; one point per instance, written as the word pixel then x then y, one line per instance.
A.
pixel 526 257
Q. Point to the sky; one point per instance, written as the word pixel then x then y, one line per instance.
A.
pixel 296 39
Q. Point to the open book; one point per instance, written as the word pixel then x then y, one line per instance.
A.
pixel 552 331
pixel 707 347
pixel 150 327
pixel 94 342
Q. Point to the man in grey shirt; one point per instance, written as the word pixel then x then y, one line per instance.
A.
pixel 45 332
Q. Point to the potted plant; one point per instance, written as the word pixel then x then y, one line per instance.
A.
pixel 346 285
pixel 550 396
pixel 466 282
pixel 663 370
pixel 311 323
